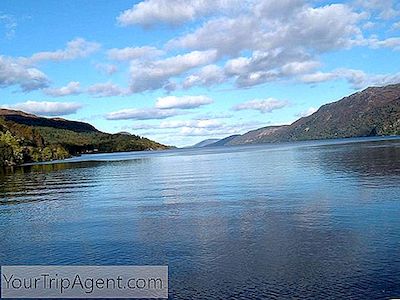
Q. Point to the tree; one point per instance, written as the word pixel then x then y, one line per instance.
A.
pixel 10 149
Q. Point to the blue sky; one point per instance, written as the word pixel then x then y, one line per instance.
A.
pixel 182 71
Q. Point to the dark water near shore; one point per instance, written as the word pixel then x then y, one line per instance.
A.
pixel 303 220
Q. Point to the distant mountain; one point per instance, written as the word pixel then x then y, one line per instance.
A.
pixel 261 135
pixel 204 143
pixel 28 138
pixel 374 111
pixel 224 141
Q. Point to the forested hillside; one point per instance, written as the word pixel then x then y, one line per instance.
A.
pixel 27 138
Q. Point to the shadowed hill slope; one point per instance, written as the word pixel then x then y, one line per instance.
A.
pixel 373 111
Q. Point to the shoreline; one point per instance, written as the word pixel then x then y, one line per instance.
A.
pixel 321 142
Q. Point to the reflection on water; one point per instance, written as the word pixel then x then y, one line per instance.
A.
pixel 304 220
pixel 365 159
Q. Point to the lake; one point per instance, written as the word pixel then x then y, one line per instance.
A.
pixel 297 220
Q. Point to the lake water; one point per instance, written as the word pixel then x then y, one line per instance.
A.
pixel 302 220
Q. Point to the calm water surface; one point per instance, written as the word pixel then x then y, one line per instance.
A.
pixel 304 220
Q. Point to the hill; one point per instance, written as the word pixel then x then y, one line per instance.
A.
pixel 224 141
pixel 373 111
pixel 204 143
pixel 32 120
pixel 28 138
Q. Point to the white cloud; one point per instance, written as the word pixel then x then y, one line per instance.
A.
pixel 256 78
pixel 184 102
pixel 180 124
pixel 214 115
pixel 77 48
pixel 19 71
pixel 393 43
pixel 141 126
pixel 12 72
pixel 165 107
pixel 207 76
pixel 318 29
pixel 387 9
pixel 357 78
pixel 228 35
pixel 46 108
pixel 72 88
pixel 300 67
pixel 107 69
pixel 157 74
pixel 262 105
pixel 238 65
pixel 142 114
pixel 317 77
pixel 360 80
pixel 278 9
pixel 214 129
pixel 264 66
pixel 10 25
pixel 191 124
pixel 107 89
pixel 190 131
pixel 369 25
pixel 264 41
pixel 210 128
pixel 131 53
pixel 150 12
pixel 323 28
pixel 284 39
pixel 396 25
pixel 307 112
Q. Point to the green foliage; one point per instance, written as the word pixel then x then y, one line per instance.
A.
pixel 11 152
pixel 83 142
pixel 21 143
pixel 6 154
